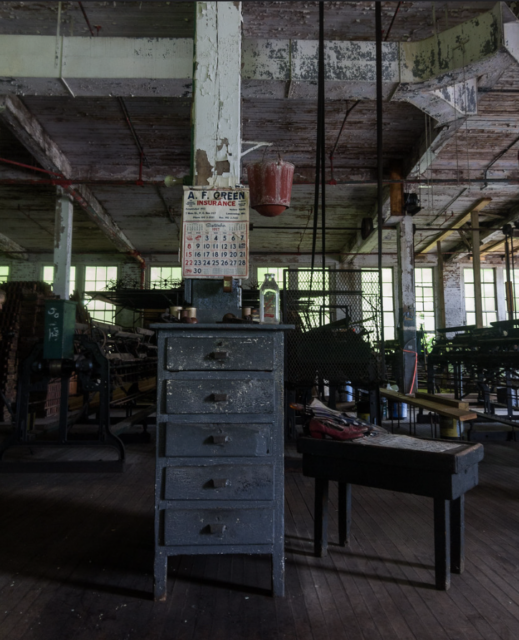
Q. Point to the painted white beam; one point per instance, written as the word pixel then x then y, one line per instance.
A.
pixel 217 94
pixel 62 244
pixel 11 248
pixel 484 46
pixel 22 123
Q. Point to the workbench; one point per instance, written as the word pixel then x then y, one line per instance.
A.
pixel 442 470
pixel 439 407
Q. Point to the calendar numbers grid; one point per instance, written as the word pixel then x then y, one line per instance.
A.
pixel 215 249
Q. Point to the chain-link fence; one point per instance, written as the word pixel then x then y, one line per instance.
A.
pixel 337 314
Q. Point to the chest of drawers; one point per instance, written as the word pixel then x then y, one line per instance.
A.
pixel 219 473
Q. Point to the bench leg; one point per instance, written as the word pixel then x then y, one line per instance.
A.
pixel 344 513
pixel 442 548
pixel 321 518
pixel 458 535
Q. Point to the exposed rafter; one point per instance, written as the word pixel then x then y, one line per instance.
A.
pixel 437 74
pixel 456 225
pixel 22 123
pixel 11 248
pixel 488 238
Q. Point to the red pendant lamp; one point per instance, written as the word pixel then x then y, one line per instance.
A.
pixel 270 184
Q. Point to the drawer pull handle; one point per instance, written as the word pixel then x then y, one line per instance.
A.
pixel 221 440
pixel 219 355
pixel 217 529
pixel 219 483
pixel 218 397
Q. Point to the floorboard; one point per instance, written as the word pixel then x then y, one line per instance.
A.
pixel 76 561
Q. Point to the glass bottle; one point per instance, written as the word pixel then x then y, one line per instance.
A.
pixel 269 301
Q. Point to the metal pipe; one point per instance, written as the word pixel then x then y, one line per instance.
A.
pixel 160 181
pixel 323 140
pixel 392 21
pixel 380 199
pixel 86 18
pixel 142 155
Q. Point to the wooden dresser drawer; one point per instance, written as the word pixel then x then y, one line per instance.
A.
pixel 204 440
pixel 246 353
pixel 218 526
pixel 218 395
pixel 220 482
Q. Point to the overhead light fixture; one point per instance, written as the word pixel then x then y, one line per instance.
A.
pixel 412 203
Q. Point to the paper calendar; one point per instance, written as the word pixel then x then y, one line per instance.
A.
pixel 215 233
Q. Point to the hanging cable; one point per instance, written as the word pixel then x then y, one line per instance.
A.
pixel 323 139
pixel 392 21
pixel 86 18
pixel 319 141
pixel 380 200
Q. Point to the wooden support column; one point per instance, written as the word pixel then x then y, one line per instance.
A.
pixel 440 296
pixel 216 120
pixel 476 265
pixel 406 303
pixel 62 244
pixel 217 94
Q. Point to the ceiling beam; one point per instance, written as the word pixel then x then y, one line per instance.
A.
pixel 455 226
pixel 12 249
pixel 487 238
pixel 164 66
pixel 22 123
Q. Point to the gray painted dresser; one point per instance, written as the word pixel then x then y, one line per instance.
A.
pixel 219 478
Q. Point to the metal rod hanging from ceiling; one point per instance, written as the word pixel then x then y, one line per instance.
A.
pixel 136 138
pixel 323 141
pixel 380 199
pixel 319 140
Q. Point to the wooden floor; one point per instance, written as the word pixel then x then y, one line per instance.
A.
pixel 76 560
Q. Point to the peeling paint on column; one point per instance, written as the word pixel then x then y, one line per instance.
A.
pixel 62 245
pixel 217 94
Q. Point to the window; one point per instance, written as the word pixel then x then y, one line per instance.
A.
pixel 278 275
pixel 488 296
pixel 98 279
pixel 315 309
pixel 165 277
pixel 48 277
pixel 515 285
pixel 424 293
pixel 369 280
pixel 4 274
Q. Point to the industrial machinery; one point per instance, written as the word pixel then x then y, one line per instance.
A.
pixel 108 365
pixel 337 342
pixel 467 359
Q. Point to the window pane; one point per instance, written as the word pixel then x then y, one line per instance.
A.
pixel 487 275
pixel 279 277
pixel 424 296
pixel 97 279
pixel 165 277
pixel 471 318
pixel 487 290
pixel 429 324
pixel 470 304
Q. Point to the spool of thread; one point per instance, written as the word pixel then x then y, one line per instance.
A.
pixel 246 313
pixel 191 312
pixel 175 312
